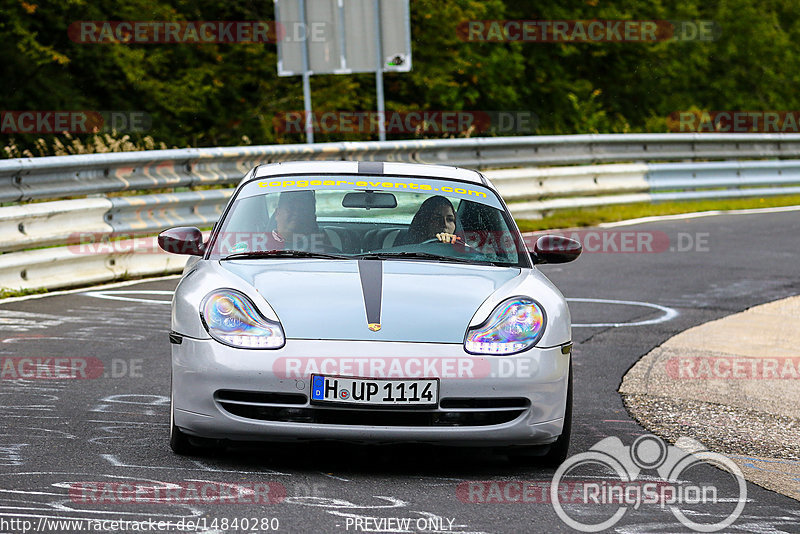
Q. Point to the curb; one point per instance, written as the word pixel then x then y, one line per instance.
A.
pixel 734 385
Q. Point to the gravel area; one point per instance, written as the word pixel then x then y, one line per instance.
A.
pixel 725 429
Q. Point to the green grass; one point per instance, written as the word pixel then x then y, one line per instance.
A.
pixel 574 218
pixel 9 293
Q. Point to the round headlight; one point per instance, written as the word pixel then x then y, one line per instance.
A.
pixel 515 325
pixel 231 318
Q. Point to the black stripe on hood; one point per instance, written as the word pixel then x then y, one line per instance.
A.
pixel 371 273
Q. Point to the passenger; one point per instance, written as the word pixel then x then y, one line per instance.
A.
pixel 435 219
pixel 296 227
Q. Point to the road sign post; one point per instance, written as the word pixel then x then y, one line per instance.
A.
pixel 343 37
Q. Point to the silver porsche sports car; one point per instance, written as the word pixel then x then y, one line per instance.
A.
pixel 371 302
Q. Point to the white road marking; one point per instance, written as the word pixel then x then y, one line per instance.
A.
pixel 83 289
pixel 126 423
pixel 669 313
pixel 116 295
pixel 20 321
pixel 11 454
pixel 24 492
pixel 113 460
pixel 27 432
pixel 326 502
pixel 32 416
pixel 333 477
pixel 697 214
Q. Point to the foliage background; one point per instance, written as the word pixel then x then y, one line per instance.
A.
pixel 228 94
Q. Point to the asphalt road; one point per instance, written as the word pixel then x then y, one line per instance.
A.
pixel 114 428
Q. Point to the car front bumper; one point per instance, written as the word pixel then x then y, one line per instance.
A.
pixel 536 380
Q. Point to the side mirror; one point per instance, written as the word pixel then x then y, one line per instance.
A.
pixel 555 249
pixel 182 240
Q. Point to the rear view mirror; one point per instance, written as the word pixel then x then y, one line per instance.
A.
pixel 182 240
pixel 555 249
pixel 369 199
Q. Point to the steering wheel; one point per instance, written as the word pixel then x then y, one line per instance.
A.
pixel 436 240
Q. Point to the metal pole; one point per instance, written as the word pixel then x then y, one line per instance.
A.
pixel 306 77
pixel 342 40
pixel 379 73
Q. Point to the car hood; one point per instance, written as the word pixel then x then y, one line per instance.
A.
pixel 419 301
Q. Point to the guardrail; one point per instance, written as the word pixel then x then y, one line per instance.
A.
pixel 61 176
pixel 530 191
pixel 153 213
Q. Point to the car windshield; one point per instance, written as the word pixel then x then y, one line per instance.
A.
pixel 403 218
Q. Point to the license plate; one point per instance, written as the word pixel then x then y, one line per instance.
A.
pixel 411 392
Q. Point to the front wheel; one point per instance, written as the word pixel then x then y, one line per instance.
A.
pixel 181 443
pixel 178 441
pixel 554 454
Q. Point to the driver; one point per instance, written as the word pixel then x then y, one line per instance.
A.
pixel 435 219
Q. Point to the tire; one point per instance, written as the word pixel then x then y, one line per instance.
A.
pixel 181 443
pixel 559 451
pixel 186 445
pixel 178 441
pixel 554 454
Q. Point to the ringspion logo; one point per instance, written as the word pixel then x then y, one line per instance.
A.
pixel 539 491
pixel 620 481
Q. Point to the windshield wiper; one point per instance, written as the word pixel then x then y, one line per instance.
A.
pixel 411 255
pixel 283 254
pixel 429 256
